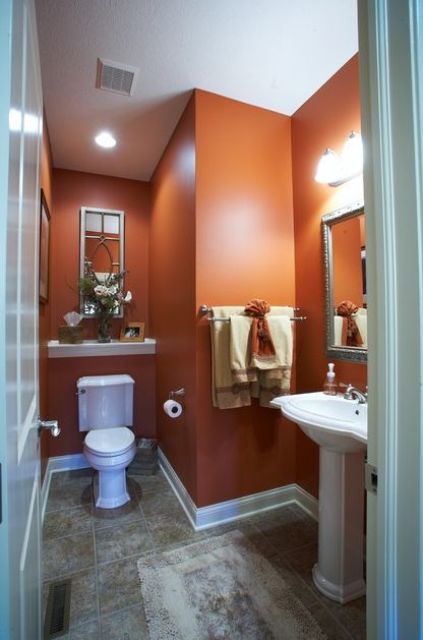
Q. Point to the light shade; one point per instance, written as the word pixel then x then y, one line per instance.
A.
pixel 352 156
pixel 329 168
pixel 105 139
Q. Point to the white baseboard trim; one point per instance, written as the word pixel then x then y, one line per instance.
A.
pixel 212 515
pixel 54 465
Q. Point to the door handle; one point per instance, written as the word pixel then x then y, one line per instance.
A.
pixel 49 425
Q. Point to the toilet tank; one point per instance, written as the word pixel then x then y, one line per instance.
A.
pixel 105 402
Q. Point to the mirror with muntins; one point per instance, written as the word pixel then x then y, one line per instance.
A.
pixel 101 248
pixel 344 252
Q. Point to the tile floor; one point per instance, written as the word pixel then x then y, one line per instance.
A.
pixel 99 549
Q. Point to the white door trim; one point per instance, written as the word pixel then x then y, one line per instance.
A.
pixel 391 62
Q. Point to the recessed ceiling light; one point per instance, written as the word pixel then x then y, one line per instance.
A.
pixel 106 140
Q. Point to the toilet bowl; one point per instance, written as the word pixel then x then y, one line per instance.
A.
pixel 105 411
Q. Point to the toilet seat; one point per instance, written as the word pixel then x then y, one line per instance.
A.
pixel 109 442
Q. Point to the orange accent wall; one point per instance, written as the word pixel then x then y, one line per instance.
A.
pixel 325 120
pixel 245 249
pixel 44 309
pixel 71 191
pixel 63 374
pixel 172 293
pixel 346 260
pixel 221 233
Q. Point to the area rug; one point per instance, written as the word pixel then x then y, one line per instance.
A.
pixel 221 589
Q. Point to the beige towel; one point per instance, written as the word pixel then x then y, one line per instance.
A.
pixel 276 380
pixel 361 322
pixel 268 377
pixel 226 393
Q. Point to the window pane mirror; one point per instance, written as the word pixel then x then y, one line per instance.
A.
pixel 101 248
pixel 344 252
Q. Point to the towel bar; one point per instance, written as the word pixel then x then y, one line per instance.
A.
pixel 206 310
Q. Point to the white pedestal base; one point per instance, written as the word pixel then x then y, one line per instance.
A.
pixel 338 573
pixel 110 489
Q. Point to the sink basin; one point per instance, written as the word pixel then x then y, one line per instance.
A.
pixel 330 421
pixel 339 427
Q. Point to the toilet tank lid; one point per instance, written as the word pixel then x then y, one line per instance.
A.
pixel 104 381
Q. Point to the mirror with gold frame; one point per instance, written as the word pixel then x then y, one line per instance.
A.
pixel 101 248
pixel 344 253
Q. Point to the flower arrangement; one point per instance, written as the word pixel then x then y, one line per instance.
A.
pixel 104 298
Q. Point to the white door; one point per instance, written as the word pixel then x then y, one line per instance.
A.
pixel 391 63
pixel 20 606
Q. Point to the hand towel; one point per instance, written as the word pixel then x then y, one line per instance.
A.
pixel 227 393
pixel 269 377
pixel 275 373
pixel 361 322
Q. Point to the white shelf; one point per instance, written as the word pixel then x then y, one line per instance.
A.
pixel 90 348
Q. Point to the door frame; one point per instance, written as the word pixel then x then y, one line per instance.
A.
pixel 5 74
pixel 391 66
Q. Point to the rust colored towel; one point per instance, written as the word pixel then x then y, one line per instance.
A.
pixel 261 340
pixel 347 309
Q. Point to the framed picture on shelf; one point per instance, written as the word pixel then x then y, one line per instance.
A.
pixel 132 332
pixel 44 248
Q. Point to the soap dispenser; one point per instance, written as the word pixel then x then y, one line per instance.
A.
pixel 329 385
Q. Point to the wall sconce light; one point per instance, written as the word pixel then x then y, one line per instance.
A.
pixel 335 169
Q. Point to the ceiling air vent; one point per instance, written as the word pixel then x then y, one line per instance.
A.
pixel 116 77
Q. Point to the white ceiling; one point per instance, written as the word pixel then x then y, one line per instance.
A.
pixel 271 53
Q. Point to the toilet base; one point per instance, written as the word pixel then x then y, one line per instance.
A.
pixel 110 489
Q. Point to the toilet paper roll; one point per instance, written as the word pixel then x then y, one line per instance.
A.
pixel 172 408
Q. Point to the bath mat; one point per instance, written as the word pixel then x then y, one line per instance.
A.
pixel 221 589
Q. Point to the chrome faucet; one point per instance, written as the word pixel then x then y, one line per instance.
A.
pixel 352 393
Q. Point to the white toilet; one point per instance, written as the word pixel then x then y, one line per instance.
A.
pixel 105 411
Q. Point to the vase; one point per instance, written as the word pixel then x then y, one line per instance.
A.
pixel 104 329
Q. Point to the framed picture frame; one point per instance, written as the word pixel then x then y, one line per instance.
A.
pixel 132 332
pixel 44 249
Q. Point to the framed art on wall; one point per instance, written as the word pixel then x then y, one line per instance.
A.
pixel 44 248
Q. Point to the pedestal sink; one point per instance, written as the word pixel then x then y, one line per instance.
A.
pixel 339 427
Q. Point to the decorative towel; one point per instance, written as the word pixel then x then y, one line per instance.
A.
pixel 227 393
pixel 261 340
pixel 268 377
pixel 347 309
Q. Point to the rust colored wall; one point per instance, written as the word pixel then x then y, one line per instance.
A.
pixel 245 249
pixel 172 293
pixel 325 120
pixel 44 309
pixel 73 190
pixel 346 260
pixel 63 374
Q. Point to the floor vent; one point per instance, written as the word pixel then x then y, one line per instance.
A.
pixel 57 614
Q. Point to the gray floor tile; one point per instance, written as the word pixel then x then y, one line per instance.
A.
pixel 168 529
pixel 83 603
pixel 87 631
pixel 76 494
pixel 129 624
pixel 351 615
pixel 153 519
pixel 66 522
pixel 129 512
pixel 61 479
pixel 119 541
pixel 63 556
pixel 118 585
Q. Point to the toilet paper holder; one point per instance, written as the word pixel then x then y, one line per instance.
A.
pixel 177 393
